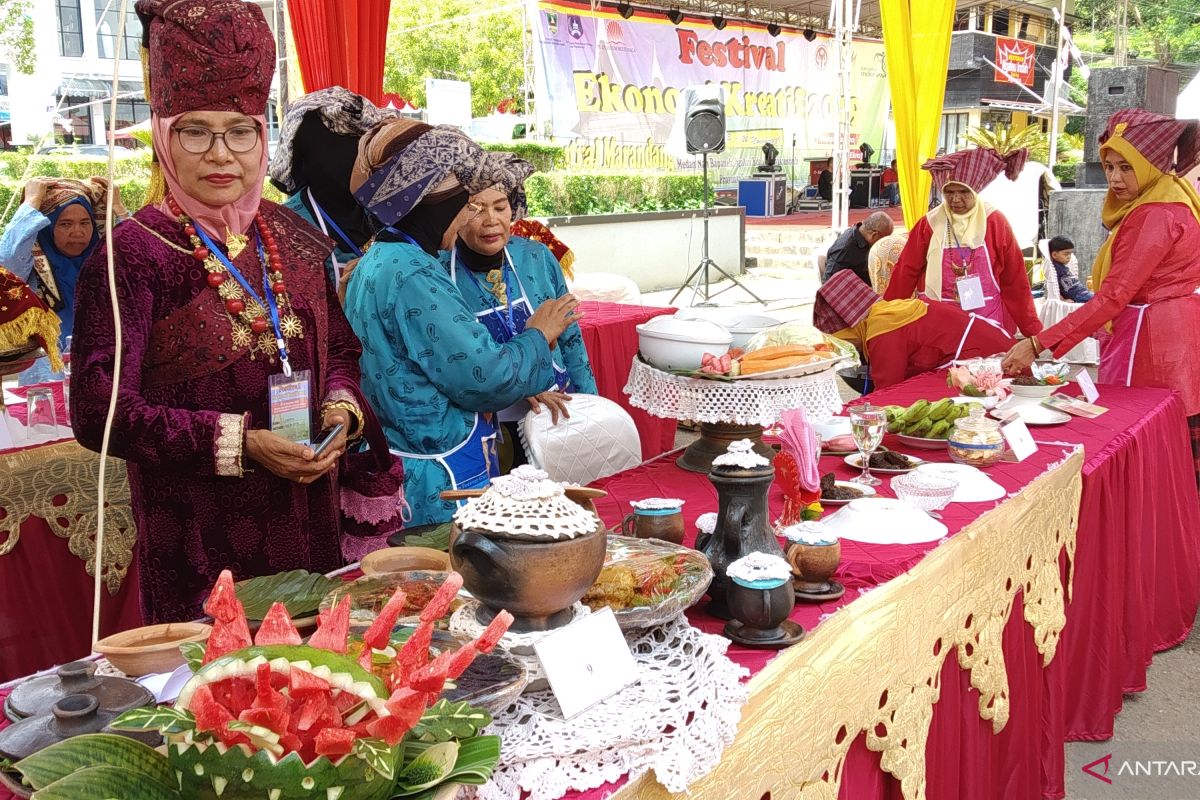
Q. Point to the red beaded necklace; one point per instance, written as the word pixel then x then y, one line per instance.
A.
pixel 251 329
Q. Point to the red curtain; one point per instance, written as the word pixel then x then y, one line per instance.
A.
pixel 341 44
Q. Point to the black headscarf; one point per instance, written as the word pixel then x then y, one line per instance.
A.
pixel 321 161
pixel 428 222
pixel 476 261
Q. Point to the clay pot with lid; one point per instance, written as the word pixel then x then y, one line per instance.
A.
pixel 72 715
pixel 38 695
pixel 525 547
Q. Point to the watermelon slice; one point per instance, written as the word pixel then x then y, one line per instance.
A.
pixel 462 659
pixel 302 683
pixel 335 742
pixel 432 676
pixel 274 718
pixel 379 635
pixel 333 633
pixel 313 709
pixel 277 628
pixel 267 695
pixel 390 729
pixel 439 604
pixel 236 694
pixel 226 637
pixel 212 716
pixel 414 654
pixel 222 603
pixel 494 632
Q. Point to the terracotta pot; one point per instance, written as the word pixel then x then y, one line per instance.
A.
pixel 535 580
pixel 814 564
pixel 760 610
pixel 655 524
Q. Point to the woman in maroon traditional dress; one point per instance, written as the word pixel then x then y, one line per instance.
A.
pixel 220 292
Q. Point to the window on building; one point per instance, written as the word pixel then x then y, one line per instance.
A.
pixel 953 126
pixel 129 112
pixel 1000 22
pixel 1023 28
pixel 75 124
pixel 70 29
pixel 962 19
pixel 106 34
pixel 991 119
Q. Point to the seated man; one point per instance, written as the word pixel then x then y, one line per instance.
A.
pixel 825 185
pixel 902 338
pixel 851 249
pixel 1066 267
pixel 890 184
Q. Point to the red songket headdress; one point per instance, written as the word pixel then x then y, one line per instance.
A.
pixel 538 232
pixel 205 55
pixel 26 319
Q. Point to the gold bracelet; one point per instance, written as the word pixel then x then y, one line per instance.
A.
pixel 350 408
pixel 1037 346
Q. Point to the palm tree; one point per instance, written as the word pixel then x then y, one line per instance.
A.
pixel 1003 140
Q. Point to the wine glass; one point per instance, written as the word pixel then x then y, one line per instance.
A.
pixel 867 424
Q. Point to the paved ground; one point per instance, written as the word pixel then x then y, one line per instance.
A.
pixel 1160 724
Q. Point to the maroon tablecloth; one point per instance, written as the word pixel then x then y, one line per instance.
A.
pixel 1137 583
pixel 20 411
pixel 610 336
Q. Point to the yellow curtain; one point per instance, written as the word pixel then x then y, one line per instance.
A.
pixel 916 41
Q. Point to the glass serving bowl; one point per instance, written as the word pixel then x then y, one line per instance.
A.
pixel 929 493
pixel 975 440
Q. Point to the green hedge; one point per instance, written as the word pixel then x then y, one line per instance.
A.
pixel 553 194
pixel 1065 172
pixel 546 157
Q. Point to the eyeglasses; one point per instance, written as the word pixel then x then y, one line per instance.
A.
pixel 198 140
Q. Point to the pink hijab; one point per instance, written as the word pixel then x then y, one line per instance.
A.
pixel 217 221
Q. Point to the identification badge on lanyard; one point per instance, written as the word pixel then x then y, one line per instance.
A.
pixel 970 293
pixel 289 400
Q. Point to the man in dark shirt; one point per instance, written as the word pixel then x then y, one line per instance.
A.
pixel 852 247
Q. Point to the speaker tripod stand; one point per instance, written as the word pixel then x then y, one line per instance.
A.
pixel 701 273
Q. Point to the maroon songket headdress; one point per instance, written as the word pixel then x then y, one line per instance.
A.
pixel 976 167
pixel 206 55
pixel 843 301
pixel 1157 138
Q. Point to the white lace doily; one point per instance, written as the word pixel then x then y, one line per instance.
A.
pixel 657 503
pixel 748 402
pixel 526 503
pixel 688 686
pixel 741 454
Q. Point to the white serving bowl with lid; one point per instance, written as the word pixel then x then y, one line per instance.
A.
pixel 742 325
pixel 671 343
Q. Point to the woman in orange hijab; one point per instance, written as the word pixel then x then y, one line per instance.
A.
pixel 1148 270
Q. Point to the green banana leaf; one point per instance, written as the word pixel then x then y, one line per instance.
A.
pixel 477 758
pixel 299 590
pixel 81 753
pixel 106 783
pixel 156 718
pixel 438 538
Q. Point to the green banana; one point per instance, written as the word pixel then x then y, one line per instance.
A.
pixel 895 426
pixel 916 411
pixel 940 429
pixel 919 428
pixel 939 410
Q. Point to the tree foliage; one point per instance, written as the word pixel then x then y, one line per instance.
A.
pixel 1165 31
pixel 484 48
pixel 16 34
pixel 1003 139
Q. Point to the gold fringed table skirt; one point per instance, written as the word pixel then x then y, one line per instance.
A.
pixel 874 666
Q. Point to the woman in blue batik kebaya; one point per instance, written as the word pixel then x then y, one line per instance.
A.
pixel 503 278
pixel 434 374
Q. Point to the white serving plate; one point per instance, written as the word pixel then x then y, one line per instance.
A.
pixel 855 460
pixel 1030 413
pixel 921 443
pixel 974 486
pixel 1039 392
pixel 867 491
pixel 882 520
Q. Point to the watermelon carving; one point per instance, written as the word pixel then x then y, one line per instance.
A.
pixel 281 720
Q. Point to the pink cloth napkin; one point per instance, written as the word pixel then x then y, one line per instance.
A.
pixel 800 441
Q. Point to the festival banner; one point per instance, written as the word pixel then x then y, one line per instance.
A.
pixel 1016 60
pixel 610 89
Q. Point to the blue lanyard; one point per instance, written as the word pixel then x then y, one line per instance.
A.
pixel 407 238
pixel 269 303
pixel 342 234
pixel 508 314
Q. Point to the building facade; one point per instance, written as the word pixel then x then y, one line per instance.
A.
pixel 78 44
pixel 1018 37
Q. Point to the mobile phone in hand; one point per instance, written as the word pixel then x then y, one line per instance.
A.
pixel 325 438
